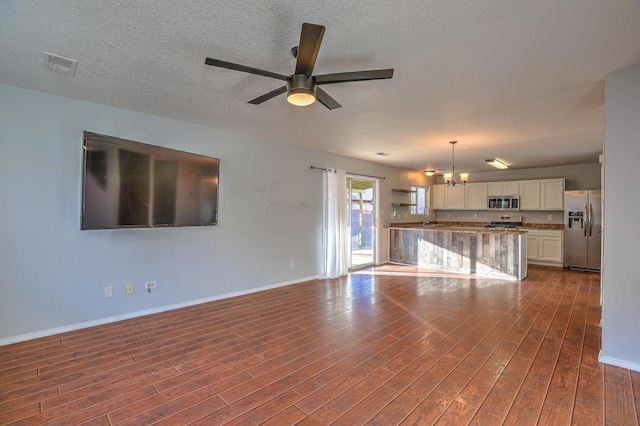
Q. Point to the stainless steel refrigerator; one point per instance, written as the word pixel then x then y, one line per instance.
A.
pixel 582 229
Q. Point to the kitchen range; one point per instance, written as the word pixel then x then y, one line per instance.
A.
pixel 505 222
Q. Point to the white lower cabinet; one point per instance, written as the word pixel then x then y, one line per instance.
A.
pixel 545 247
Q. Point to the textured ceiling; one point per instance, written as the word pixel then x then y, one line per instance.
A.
pixel 520 80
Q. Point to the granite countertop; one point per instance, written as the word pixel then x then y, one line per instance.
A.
pixel 457 228
pixel 525 226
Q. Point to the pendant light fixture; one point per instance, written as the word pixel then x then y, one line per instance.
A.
pixel 450 178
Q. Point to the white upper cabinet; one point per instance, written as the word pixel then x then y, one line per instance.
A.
pixel 539 194
pixel 552 194
pixel 511 188
pixel 455 197
pixel 503 188
pixel 438 197
pixel 448 197
pixel 477 194
pixel 530 195
pixel 495 188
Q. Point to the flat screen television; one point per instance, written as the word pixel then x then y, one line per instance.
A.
pixel 129 184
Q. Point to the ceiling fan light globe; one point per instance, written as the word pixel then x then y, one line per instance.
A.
pixel 300 98
pixel 301 90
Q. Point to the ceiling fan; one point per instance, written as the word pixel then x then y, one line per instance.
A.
pixel 302 87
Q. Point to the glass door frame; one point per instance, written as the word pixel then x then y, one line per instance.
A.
pixel 375 229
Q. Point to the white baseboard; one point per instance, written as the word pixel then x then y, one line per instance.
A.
pixel 634 366
pixel 115 318
pixel 539 262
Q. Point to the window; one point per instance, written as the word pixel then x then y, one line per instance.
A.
pixel 419 198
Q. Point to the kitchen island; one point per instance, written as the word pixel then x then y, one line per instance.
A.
pixel 468 250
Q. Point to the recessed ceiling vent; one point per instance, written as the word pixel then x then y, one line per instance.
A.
pixel 58 64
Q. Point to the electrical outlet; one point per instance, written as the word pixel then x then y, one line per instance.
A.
pixel 108 291
pixel 475 215
pixel 149 285
pixel 129 288
pixel 291 264
pixel 550 217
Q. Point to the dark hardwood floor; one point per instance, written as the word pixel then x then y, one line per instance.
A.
pixel 385 346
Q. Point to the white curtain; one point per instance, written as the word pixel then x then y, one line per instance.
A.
pixel 335 244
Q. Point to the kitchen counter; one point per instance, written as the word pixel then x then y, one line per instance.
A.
pixel 524 226
pixel 462 228
pixel 462 249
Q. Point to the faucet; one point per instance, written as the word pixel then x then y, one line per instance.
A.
pixel 427 215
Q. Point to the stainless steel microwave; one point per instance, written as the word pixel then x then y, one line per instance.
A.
pixel 503 202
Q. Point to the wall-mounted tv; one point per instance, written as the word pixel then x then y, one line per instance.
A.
pixel 128 184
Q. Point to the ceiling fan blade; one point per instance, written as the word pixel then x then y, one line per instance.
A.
pixel 243 68
pixel 326 100
pixel 267 96
pixel 343 77
pixel 310 40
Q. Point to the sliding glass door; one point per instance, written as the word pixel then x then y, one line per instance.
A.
pixel 362 220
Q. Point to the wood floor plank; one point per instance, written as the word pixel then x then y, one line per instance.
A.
pixel 457 413
pixel 562 389
pixel 587 416
pixel 366 408
pixel 348 399
pixel 267 410
pixel 385 345
pixel 13 416
pixel 551 415
pixel 153 408
pixel 430 409
pixel 321 396
pixel 590 391
pixel 619 406
pixel 496 405
pixel 290 416
pixel 401 406
pixel 91 407
pixel 635 383
pixel 237 408
pixel 483 381
pixel 526 408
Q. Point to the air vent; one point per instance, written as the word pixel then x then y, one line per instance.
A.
pixel 58 64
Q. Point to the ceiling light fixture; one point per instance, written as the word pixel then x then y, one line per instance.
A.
pixel 301 90
pixel 450 178
pixel 497 163
pixel 429 172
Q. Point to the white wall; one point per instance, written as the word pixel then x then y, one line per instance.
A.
pixel 620 278
pixel 52 275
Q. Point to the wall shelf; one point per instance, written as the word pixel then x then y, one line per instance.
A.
pixel 402 204
pixel 403 191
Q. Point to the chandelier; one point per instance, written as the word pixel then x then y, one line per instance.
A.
pixel 450 178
